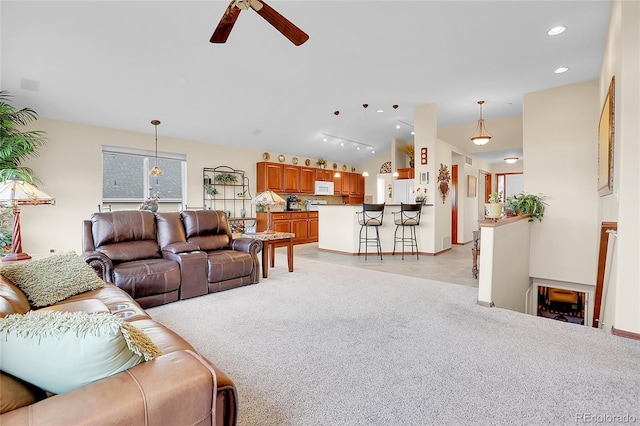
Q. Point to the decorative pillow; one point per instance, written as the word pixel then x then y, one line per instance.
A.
pixel 52 279
pixel 15 393
pixel 61 351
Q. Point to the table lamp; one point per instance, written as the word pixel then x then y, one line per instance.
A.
pixel 268 198
pixel 15 193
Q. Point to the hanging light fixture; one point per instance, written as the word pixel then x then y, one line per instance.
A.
pixel 482 136
pixel 156 170
pixel 511 160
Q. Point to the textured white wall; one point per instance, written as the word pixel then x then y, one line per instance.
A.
pixel 560 145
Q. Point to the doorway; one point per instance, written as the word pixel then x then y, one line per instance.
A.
pixel 454 204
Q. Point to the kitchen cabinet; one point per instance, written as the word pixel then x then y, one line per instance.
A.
pixel 313 226
pixel 269 176
pixel 303 224
pixel 324 175
pixel 307 180
pixel 345 182
pixel 291 179
pixel 406 173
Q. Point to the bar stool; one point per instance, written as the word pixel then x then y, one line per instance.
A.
pixel 407 217
pixel 370 217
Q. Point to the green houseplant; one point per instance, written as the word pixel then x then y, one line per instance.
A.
pixel 226 178
pixel 16 145
pixel 525 203
pixel 210 190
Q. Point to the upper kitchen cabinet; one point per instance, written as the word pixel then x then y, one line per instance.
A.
pixel 324 175
pixel 307 180
pixel 291 179
pixel 269 176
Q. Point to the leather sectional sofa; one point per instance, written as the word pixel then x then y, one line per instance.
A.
pixel 163 257
pixel 178 387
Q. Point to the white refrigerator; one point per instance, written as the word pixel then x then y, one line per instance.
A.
pixel 403 191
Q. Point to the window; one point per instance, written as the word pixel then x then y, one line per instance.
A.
pixel 126 175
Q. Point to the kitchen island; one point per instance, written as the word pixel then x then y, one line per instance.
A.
pixel 339 229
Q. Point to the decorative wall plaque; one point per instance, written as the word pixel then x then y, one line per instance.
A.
pixel 443 181
pixel 423 155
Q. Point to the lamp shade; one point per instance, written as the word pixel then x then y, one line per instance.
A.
pixel 267 198
pixel 18 192
pixel 481 137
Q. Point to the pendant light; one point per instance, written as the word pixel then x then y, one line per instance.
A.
pixel 156 171
pixel 482 137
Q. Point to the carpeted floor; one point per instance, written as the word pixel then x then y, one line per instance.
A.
pixel 337 345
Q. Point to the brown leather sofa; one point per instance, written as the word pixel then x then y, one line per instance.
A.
pixel 178 387
pixel 163 257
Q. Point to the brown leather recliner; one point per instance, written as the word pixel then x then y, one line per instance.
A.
pixel 125 242
pixel 230 262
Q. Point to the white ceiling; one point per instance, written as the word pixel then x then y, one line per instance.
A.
pixel 123 63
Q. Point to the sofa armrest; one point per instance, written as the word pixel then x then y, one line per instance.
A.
pixel 100 263
pixel 248 245
pixel 176 388
pixel 180 247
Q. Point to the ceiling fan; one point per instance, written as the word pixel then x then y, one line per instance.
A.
pixel 282 24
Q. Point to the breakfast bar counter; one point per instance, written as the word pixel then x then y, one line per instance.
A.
pixel 339 229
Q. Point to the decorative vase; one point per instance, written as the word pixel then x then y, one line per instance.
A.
pixel 412 163
pixel 493 210
pixel 242 213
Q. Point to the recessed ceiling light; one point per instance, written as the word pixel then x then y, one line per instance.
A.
pixel 341 143
pixel 358 148
pixel 561 70
pixel 380 110
pixel 397 126
pixel 556 30
pixel 324 140
pixel 373 151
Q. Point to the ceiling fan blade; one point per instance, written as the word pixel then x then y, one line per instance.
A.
pixel 222 31
pixel 280 23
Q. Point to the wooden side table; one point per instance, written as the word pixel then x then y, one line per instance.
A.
pixel 270 242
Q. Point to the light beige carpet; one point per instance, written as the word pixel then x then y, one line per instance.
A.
pixel 338 345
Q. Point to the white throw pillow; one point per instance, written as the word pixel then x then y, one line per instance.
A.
pixel 61 351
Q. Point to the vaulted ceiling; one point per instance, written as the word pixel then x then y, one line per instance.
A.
pixel 123 63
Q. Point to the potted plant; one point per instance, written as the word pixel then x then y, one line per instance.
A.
pixel 322 163
pixel 493 209
pixel 226 178
pixel 525 203
pixel 242 194
pixel 16 146
pixel 409 151
pixel 420 195
pixel 210 190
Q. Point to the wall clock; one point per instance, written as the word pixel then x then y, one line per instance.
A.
pixel 386 167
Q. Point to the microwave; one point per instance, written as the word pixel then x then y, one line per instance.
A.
pixel 323 188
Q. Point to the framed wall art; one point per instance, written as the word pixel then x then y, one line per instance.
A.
pixel 472 182
pixel 605 142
